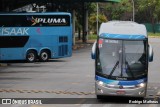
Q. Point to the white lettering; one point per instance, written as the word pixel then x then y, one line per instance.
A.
pixel 63 20
pixel 44 21
pixel 55 20
pixel 14 31
pixel 52 20
pixel 19 31
pixel 40 19
pixel 25 31
pixel 5 31
pixel 34 102
pixel 119 78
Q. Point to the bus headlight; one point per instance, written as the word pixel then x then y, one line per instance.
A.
pixel 141 85
pixel 100 83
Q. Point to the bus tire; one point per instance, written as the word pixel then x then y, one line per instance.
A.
pixel 31 56
pixel 44 55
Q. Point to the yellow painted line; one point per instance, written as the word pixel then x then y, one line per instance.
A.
pixel 3 65
pixel 46 91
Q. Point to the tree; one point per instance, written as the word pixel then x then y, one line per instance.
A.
pixel 150 10
pixel 119 11
pixel 93 21
pixel 93 16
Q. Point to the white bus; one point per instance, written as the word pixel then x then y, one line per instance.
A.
pixel 121 55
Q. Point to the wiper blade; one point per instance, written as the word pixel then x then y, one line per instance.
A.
pixel 129 69
pixel 113 69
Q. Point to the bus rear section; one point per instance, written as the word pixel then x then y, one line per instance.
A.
pixel 121 55
pixel 32 36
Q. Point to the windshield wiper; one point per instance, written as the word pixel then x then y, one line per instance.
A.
pixel 113 69
pixel 129 68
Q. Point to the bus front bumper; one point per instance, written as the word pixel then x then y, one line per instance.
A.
pixel 113 90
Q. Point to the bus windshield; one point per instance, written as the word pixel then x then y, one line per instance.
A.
pixel 122 58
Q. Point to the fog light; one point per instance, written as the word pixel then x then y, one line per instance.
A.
pixel 141 93
pixel 100 90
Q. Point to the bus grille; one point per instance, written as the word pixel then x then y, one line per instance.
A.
pixel 63 50
pixel 63 39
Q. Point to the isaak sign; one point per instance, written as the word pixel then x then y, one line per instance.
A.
pixel 13 31
pixel 34 20
pixel 43 20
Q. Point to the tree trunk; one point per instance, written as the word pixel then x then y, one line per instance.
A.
pixel 79 34
pixel 153 25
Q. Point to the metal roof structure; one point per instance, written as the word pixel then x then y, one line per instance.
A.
pixel 7 5
pixel 123 27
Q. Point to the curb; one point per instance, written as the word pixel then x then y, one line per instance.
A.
pixel 80 46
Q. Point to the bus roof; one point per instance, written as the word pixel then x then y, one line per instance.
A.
pixel 123 28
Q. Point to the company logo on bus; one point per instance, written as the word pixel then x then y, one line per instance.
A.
pixel 48 21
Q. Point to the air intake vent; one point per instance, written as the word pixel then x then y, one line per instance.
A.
pixel 63 39
pixel 63 50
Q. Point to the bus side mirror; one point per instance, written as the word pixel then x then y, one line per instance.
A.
pixel 150 53
pixel 93 53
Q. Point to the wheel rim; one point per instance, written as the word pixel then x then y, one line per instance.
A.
pixel 31 57
pixel 44 56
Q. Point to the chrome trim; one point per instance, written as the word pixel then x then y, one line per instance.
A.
pixel 119 86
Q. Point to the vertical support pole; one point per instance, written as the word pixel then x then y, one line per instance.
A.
pixel 133 10
pixel 83 26
pixel 86 24
pixel 73 26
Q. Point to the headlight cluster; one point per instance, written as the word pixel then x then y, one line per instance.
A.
pixel 100 83
pixel 141 85
pixel 105 85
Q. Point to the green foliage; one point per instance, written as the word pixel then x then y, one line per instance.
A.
pixel 150 10
pixel 93 21
pixel 116 11
pixel 92 37
pixel 92 7
pixel 154 34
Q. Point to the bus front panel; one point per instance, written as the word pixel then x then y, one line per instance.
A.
pixel 121 67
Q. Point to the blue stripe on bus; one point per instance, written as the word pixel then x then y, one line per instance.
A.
pixel 122 36
pixel 118 82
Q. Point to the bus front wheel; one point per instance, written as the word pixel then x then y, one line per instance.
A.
pixel 31 56
pixel 99 97
pixel 44 56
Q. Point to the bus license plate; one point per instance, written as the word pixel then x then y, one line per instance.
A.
pixel 120 92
